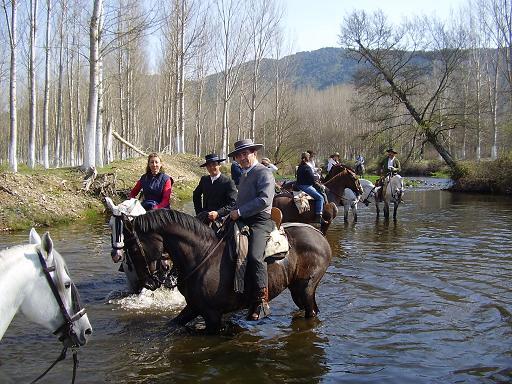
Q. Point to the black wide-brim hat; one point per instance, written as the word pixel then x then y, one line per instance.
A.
pixel 211 158
pixel 391 150
pixel 244 144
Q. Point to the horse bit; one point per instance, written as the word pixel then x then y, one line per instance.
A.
pixel 66 329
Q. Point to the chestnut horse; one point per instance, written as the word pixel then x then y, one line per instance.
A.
pixel 206 269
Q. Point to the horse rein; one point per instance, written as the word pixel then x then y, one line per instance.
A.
pixel 209 254
pixel 67 327
pixel 118 220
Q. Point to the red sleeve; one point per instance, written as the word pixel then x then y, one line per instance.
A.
pixel 135 191
pixel 166 195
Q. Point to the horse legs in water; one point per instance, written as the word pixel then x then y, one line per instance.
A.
pixel 212 318
pixel 303 295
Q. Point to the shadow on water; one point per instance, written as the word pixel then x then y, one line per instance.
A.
pixel 266 353
pixel 425 299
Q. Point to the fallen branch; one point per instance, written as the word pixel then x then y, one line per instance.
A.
pixel 127 143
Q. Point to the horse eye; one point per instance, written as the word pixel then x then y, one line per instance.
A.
pixel 67 285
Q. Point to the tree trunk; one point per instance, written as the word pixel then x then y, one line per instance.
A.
pixel 58 126
pixel 13 42
pixel 46 101
pixel 92 108
pixel 32 86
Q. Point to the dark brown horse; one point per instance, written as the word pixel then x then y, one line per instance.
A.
pixel 206 269
pixel 284 201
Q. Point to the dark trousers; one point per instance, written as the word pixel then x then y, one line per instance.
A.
pixel 260 227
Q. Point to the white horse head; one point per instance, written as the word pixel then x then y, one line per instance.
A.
pixel 369 191
pixel 27 274
pixel 129 208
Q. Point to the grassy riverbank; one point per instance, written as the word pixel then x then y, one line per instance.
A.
pixel 51 197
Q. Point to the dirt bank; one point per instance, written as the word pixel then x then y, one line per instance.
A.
pixel 49 197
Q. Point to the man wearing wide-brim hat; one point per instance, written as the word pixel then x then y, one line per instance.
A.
pixel 215 195
pixel 253 207
pixel 390 163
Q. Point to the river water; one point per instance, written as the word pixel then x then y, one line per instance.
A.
pixel 425 299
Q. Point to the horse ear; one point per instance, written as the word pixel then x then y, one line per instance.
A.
pixel 110 203
pixel 47 246
pixel 34 237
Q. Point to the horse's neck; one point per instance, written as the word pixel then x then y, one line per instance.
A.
pixel 17 274
pixel 186 248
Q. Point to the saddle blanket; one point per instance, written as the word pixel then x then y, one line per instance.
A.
pixel 277 248
pixel 301 200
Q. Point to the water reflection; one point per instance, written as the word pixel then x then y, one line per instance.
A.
pixel 425 299
pixel 293 353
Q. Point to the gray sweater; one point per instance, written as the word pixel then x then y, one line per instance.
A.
pixel 256 191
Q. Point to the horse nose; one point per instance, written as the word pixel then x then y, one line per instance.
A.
pixel 117 255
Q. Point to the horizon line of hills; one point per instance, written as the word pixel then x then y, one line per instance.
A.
pixel 323 67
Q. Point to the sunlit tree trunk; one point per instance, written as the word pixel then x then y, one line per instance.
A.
pixel 32 86
pixel 92 108
pixel 58 160
pixel 46 101
pixel 99 113
pixel 13 42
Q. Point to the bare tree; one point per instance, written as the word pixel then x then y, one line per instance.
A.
pixel 32 87
pixel 400 88
pixel 234 44
pixel 92 108
pixel 13 42
pixel 46 97
pixel 264 18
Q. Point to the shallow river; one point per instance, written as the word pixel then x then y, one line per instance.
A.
pixel 425 299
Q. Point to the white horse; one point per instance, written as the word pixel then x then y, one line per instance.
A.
pixel 392 193
pixel 34 280
pixel 350 200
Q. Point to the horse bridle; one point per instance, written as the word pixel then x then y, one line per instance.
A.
pixel 338 175
pixel 66 329
pixel 209 253
pixel 133 233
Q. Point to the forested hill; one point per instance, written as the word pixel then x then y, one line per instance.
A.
pixel 318 69
pixel 321 68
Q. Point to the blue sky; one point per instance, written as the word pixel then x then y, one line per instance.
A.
pixel 312 24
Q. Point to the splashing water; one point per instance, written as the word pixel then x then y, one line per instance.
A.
pixel 161 299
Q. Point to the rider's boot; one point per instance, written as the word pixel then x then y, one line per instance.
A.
pixel 259 309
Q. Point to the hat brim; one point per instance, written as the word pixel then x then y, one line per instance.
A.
pixel 393 152
pixel 212 161
pixel 256 147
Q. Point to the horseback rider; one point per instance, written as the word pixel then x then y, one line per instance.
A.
pixel 390 165
pixel 317 174
pixel 155 184
pixel 334 159
pixel 359 167
pixel 215 195
pixel 306 181
pixel 253 207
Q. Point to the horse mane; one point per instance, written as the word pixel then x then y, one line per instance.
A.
pixel 60 266
pixel 157 219
pixel 58 260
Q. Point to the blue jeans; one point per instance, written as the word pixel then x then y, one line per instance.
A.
pixel 319 199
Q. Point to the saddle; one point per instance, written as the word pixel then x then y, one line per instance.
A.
pixel 277 247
